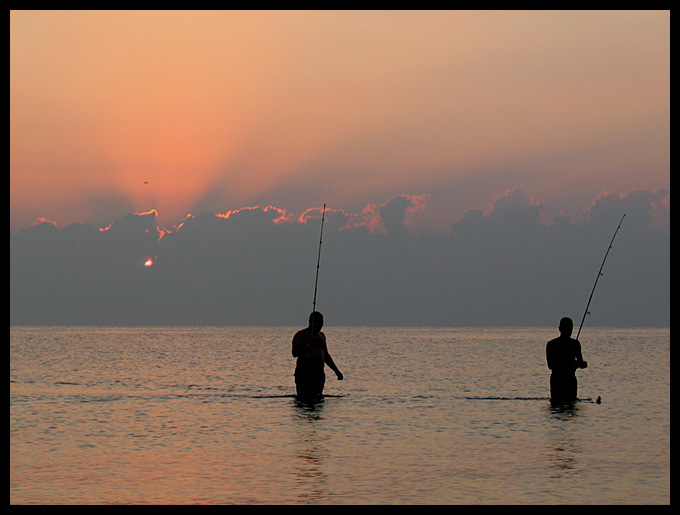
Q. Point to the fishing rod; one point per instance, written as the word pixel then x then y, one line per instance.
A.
pixel 599 273
pixel 318 261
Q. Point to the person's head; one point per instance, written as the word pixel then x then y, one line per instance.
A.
pixel 566 326
pixel 316 319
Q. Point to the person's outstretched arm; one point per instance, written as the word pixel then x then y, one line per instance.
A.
pixel 579 357
pixel 329 361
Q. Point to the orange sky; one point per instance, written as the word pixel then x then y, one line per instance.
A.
pixel 116 111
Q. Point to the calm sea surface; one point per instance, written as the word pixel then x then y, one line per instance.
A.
pixel 206 415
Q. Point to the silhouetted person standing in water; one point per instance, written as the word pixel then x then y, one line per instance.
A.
pixel 564 358
pixel 309 347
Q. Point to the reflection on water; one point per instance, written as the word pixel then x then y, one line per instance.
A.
pixel 564 410
pixel 564 450
pixel 309 408
pixel 310 452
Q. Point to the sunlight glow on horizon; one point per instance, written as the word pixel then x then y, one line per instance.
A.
pixel 112 112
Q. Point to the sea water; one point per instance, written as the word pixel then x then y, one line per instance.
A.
pixel 208 415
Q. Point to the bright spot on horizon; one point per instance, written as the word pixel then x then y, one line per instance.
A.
pixel 148 263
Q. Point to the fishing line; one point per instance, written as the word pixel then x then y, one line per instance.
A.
pixel 599 273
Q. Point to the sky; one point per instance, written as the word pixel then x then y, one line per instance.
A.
pixel 440 141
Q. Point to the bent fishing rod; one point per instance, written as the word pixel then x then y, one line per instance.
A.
pixel 318 261
pixel 599 273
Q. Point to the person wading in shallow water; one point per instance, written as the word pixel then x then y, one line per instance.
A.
pixel 564 358
pixel 311 351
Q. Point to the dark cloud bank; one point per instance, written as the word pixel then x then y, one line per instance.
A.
pixel 256 266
